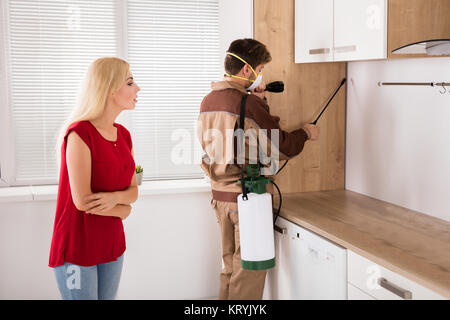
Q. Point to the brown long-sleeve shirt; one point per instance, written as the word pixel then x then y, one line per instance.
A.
pixel 218 120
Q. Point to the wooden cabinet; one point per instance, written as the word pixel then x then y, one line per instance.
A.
pixel 340 30
pixel 412 21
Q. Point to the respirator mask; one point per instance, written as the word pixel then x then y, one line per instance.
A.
pixel 255 83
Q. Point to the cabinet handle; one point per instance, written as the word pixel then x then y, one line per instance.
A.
pixel 319 51
pixel 280 230
pixel 345 49
pixel 402 293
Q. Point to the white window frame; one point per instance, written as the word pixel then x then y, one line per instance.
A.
pixel 7 149
pixel 230 12
pixel 122 33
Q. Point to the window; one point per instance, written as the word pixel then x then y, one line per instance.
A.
pixel 174 52
pixel 51 43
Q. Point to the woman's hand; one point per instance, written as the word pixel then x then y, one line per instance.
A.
pixel 121 211
pixel 97 203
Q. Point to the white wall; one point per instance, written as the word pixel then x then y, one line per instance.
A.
pixel 398 138
pixel 173 249
pixel 236 22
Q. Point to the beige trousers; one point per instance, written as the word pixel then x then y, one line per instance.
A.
pixel 235 282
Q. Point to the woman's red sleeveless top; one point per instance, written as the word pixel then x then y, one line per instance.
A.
pixel 89 239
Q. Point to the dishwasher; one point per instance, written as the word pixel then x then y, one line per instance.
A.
pixel 307 267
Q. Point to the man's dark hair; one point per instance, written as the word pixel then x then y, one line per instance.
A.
pixel 251 50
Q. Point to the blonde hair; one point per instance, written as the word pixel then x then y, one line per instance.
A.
pixel 104 76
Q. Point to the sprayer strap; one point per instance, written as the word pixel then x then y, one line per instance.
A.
pixel 241 126
pixel 242 116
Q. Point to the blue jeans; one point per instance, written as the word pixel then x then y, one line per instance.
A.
pixel 99 282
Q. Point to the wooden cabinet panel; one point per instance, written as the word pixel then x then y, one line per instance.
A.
pixel 308 86
pixel 412 21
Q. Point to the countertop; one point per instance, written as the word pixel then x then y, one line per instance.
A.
pixel 410 243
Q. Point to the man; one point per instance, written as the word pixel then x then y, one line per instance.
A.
pixel 219 116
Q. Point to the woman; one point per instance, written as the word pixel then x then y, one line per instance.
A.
pixel 97 184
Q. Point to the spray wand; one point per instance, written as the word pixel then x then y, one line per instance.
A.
pixel 318 117
pixel 314 123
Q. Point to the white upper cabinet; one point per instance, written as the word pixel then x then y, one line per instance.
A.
pixel 360 29
pixel 350 29
pixel 313 30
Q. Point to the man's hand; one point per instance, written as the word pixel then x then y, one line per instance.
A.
pixel 259 91
pixel 99 202
pixel 313 130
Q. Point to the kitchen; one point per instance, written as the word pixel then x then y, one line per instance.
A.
pixel 366 204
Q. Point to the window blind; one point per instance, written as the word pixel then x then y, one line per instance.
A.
pixel 173 50
pixel 174 54
pixel 51 45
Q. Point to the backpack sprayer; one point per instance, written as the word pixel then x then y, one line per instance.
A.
pixel 255 204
